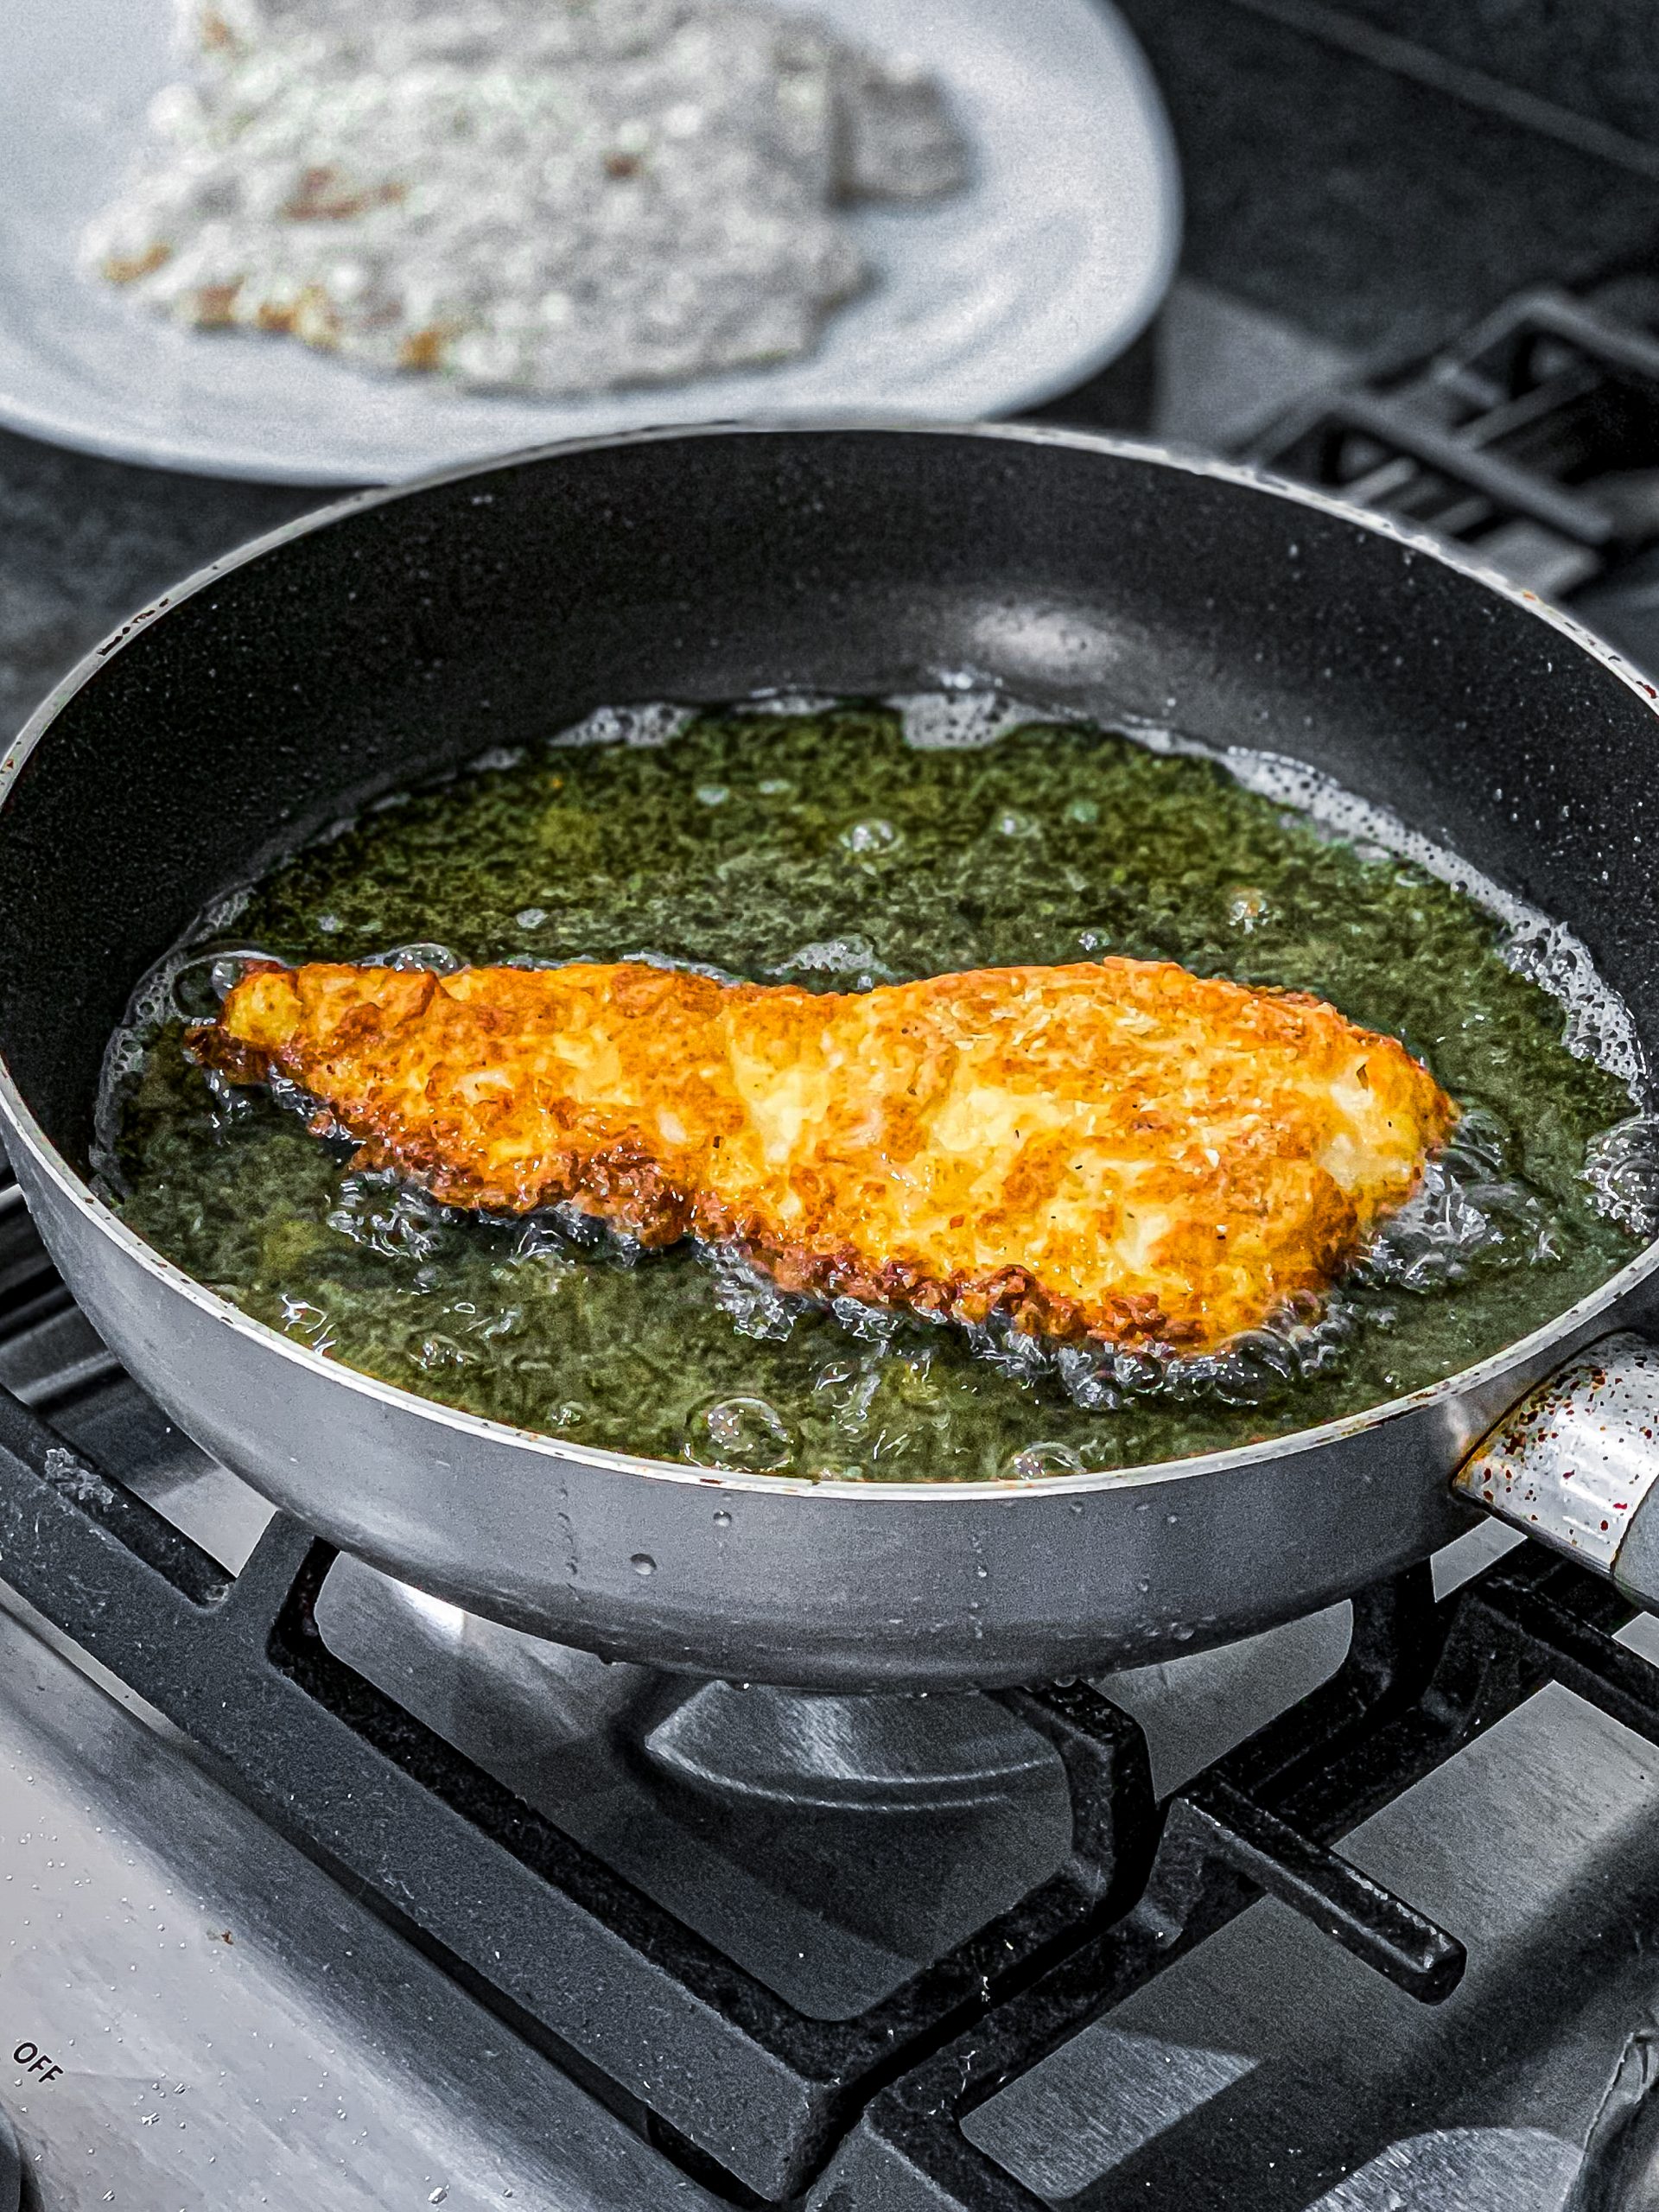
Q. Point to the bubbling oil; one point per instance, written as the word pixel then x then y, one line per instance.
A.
pixel 838 846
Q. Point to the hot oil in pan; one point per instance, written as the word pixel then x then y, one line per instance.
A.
pixel 838 849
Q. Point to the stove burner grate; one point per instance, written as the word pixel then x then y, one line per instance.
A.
pixel 1421 1680
pixel 1533 441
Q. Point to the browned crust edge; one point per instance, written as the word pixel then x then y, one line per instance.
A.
pixel 624 1186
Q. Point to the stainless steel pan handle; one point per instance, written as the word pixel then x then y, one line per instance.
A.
pixel 1576 1464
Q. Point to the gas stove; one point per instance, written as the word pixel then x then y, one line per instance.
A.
pixel 315 1891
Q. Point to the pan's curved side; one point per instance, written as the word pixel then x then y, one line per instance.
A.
pixel 408 632
pixel 823 1590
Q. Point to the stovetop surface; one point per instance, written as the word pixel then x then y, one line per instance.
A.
pixel 193 2015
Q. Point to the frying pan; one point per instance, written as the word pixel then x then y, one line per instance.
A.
pixel 400 632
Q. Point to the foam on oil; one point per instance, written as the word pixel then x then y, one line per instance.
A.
pixel 838 847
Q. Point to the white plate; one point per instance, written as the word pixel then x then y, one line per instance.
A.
pixel 1044 268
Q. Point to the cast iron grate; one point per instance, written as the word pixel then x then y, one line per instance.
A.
pixel 1533 441
pixel 753 2096
pixel 1421 1681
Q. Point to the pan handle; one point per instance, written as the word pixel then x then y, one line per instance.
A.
pixel 1576 1464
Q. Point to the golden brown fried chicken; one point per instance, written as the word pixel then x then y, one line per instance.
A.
pixel 1121 1151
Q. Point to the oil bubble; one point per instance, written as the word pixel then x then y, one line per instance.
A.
pixel 723 1520
pixel 643 1563
pixel 1621 1166
pixel 973 717
pixel 1037 1460
pixel 757 1307
pixel 873 835
pixel 834 955
pixel 198 987
pixel 788 703
pixel 386 1216
pixel 424 955
pixel 745 1433
pixel 656 724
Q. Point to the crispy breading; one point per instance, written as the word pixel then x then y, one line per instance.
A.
pixel 1121 1152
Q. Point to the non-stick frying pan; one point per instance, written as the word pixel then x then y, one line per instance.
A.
pixel 405 630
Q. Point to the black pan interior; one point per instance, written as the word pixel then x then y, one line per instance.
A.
pixel 493 608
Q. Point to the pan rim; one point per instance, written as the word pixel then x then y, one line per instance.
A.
pixel 19 1122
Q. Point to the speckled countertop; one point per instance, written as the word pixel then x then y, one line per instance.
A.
pixel 1350 197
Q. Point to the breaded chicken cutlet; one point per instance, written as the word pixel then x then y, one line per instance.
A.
pixel 1119 1152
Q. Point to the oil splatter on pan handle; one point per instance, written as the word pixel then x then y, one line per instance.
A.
pixel 1576 1464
